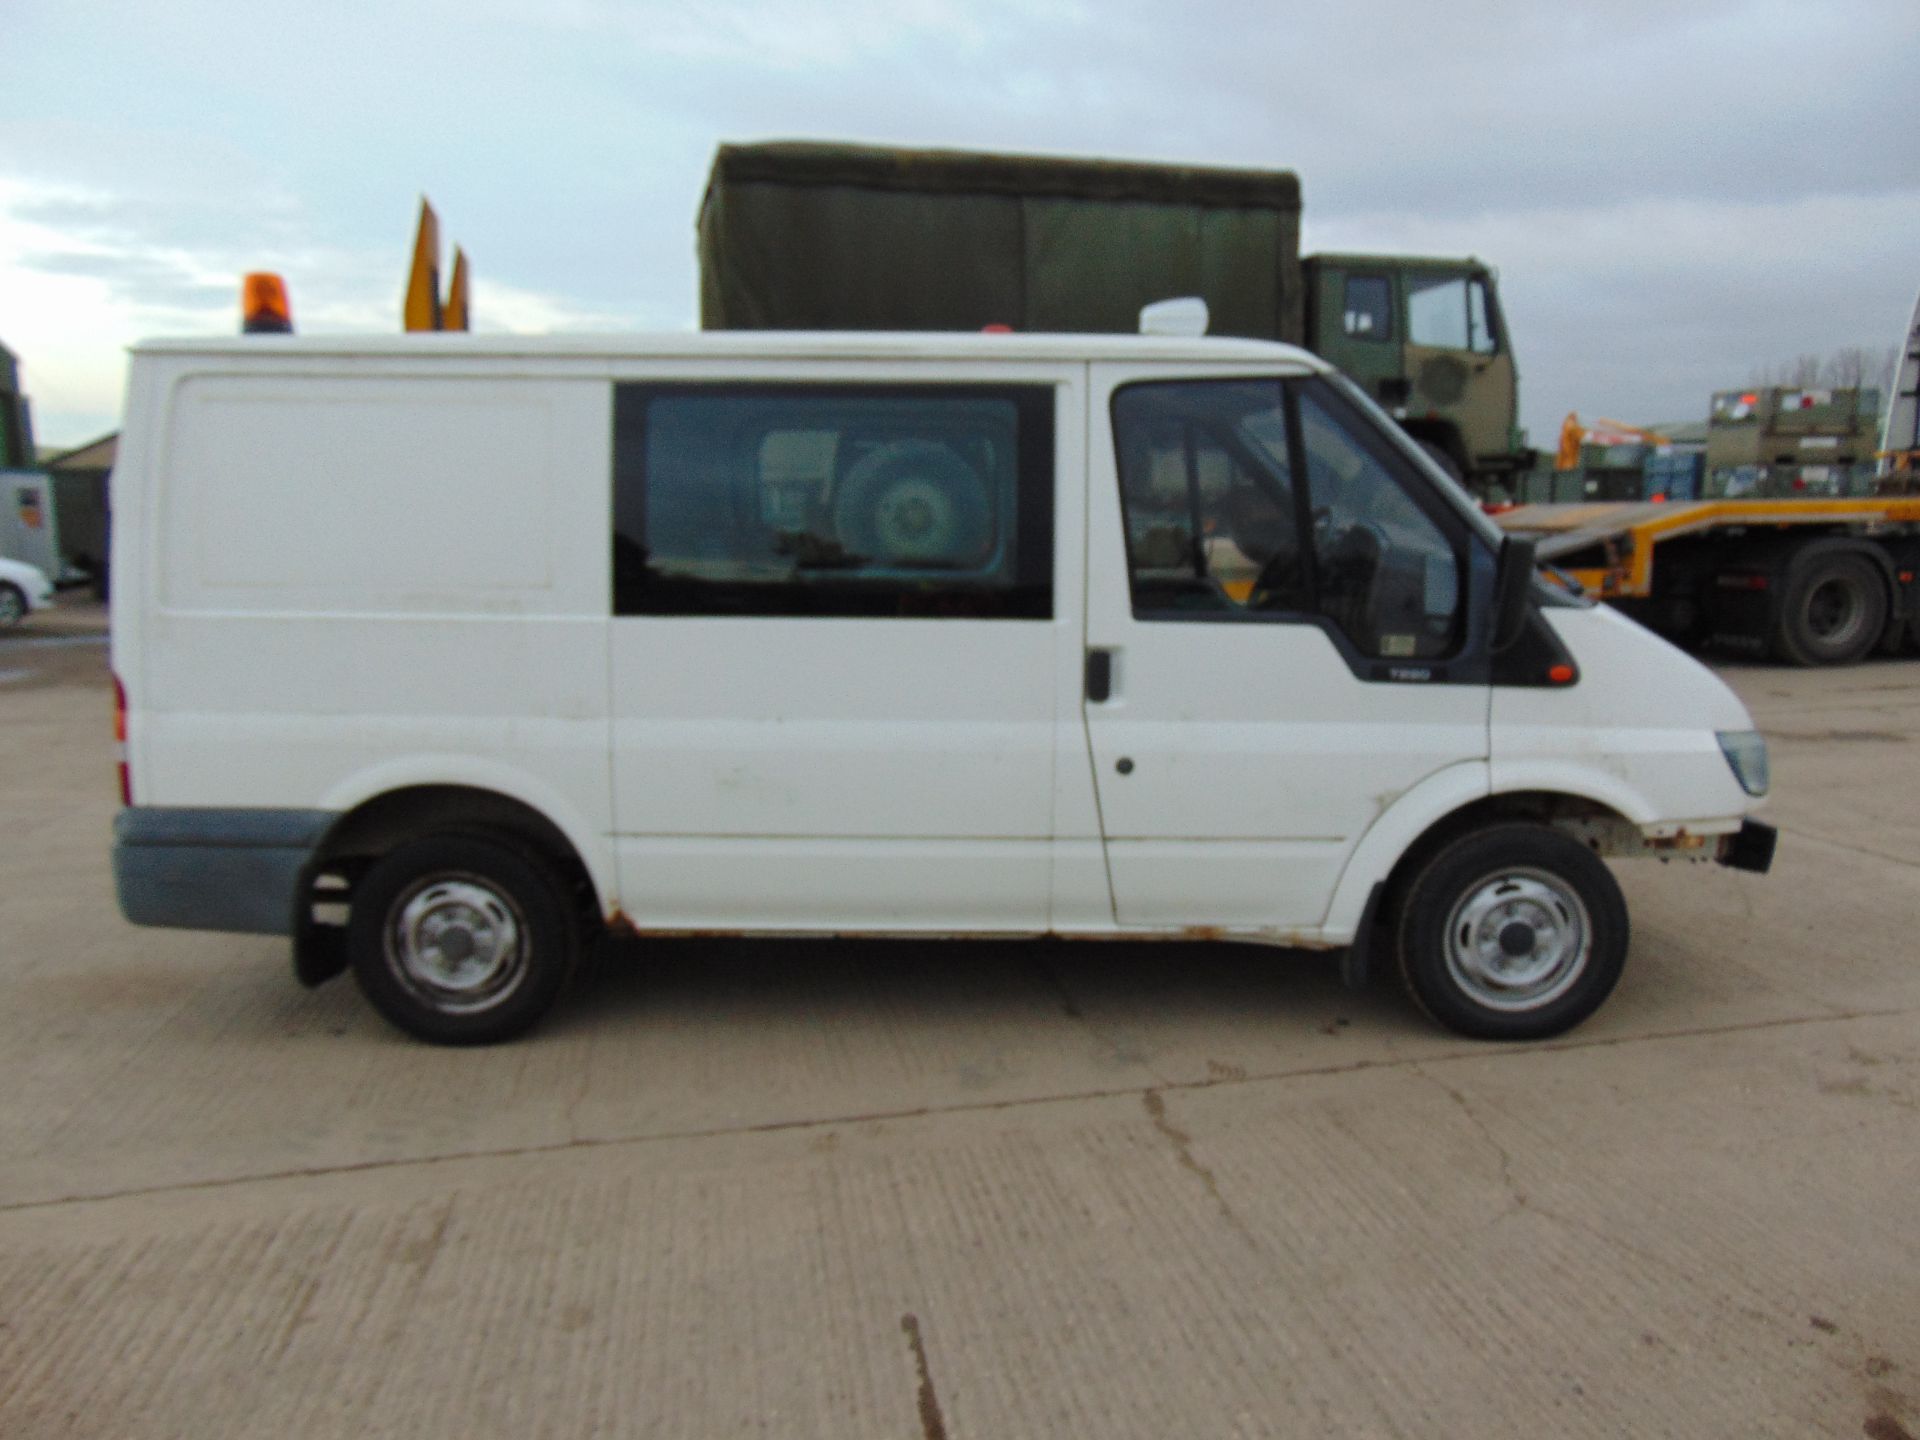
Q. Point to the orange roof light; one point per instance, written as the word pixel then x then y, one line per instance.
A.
pixel 264 309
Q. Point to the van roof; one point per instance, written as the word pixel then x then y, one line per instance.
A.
pixel 757 345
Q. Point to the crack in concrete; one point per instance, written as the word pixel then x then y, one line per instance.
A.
pixel 310 1290
pixel 1122 1053
pixel 933 1425
pixel 923 1112
pixel 1515 1195
pixel 1182 1142
pixel 579 1096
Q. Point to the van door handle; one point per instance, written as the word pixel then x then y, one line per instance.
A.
pixel 1099 676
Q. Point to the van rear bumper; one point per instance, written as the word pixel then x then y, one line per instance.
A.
pixel 205 869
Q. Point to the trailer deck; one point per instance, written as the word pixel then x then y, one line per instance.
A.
pixel 1623 535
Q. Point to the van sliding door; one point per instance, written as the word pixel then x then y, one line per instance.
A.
pixel 834 652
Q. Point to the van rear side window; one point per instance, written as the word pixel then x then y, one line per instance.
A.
pixel 832 500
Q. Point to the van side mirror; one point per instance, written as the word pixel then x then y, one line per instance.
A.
pixel 1512 591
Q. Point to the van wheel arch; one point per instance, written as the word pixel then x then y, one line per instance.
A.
pixel 1542 807
pixel 362 836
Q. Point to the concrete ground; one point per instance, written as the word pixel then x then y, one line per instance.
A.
pixel 974 1190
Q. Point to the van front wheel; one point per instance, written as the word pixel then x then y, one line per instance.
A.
pixel 461 939
pixel 1515 932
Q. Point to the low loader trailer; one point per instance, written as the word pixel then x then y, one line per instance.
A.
pixel 1809 582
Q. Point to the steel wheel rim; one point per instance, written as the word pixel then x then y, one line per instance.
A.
pixel 1835 611
pixel 916 519
pixel 13 606
pixel 456 942
pixel 1498 967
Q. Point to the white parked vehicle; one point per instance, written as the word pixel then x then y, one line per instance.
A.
pixel 24 589
pixel 443 654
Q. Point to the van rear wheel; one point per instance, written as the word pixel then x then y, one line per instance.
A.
pixel 1515 932
pixel 461 939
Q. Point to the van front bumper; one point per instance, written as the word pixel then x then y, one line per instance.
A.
pixel 1750 848
pixel 207 869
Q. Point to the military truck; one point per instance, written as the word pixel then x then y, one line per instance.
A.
pixel 800 236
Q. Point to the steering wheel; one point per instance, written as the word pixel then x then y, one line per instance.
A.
pixel 1274 586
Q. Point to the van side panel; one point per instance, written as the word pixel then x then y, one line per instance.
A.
pixel 359 583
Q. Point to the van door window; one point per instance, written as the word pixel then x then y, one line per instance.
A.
pixel 1206 482
pixel 929 501
pixel 1244 500
pixel 1388 575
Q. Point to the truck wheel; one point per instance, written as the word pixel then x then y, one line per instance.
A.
pixel 13 605
pixel 1834 609
pixel 915 503
pixel 1515 932
pixel 461 939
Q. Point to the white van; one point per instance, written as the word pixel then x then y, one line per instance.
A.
pixel 445 654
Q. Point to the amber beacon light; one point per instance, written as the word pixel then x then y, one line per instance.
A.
pixel 264 309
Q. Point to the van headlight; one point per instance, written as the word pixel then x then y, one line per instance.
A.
pixel 1746 752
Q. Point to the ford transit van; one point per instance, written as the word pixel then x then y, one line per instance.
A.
pixel 444 655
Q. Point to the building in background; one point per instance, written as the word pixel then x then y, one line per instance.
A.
pixel 78 479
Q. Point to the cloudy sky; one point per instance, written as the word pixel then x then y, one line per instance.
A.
pixel 1677 196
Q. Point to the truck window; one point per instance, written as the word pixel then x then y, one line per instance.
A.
pixel 1367 313
pixel 908 502
pixel 1450 312
pixel 1219 518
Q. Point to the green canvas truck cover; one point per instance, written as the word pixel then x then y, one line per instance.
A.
pixel 797 236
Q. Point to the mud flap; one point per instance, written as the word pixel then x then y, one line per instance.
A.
pixel 1355 963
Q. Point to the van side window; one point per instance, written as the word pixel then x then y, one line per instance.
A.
pixel 1220 521
pixel 830 500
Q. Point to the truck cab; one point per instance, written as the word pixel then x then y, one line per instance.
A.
pixel 1425 339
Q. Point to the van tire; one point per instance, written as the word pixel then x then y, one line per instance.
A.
pixel 1514 932
pixel 13 605
pixel 1833 611
pixel 915 503
pixel 461 939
